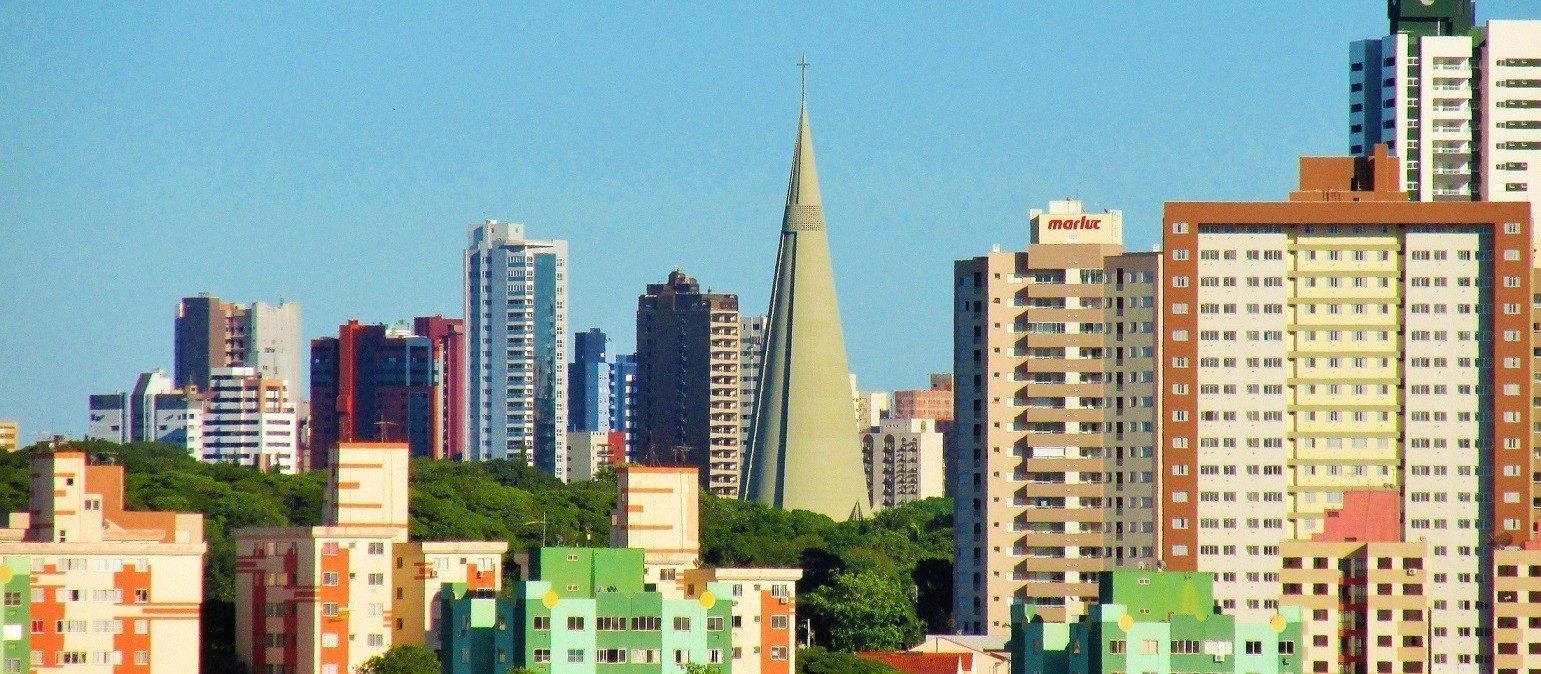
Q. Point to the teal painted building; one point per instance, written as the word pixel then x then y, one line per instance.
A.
pixel 585 610
pixel 1155 622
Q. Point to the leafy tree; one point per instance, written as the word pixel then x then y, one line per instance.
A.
pixel 863 611
pixel 817 660
pixel 698 668
pixel 405 659
pixel 933 594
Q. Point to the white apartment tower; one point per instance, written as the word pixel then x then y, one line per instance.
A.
pixel 1458 102
pixel 250 420
pixel 516 318
pixel 1348 341
pixel 1054 360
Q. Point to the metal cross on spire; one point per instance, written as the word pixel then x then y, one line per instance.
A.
pixel 803 64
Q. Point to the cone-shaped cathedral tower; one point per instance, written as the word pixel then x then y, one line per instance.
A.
pixel 804 454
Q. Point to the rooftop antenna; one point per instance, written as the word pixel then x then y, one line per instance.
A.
pixel 383 427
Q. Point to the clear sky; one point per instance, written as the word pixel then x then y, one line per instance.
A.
pixel 334 153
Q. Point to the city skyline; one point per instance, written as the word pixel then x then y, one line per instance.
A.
pixel 982 128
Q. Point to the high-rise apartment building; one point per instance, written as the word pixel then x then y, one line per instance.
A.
pixel 1054 360
pixel 211 334
pixel 804 453
pixel 904 461
pixel 588 382
pixel 1460 103
pixel 374 383
pixel 751 337
pixel 516 315
pixel 1348 340
pixel 10 435
pixel 623 400
pixel 329 597
pixel 448 338
pixel 91 587
pixel 250 420
pixel 688 384
pixel 154 412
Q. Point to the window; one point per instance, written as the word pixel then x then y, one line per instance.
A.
pixel 778 652
pixel 575 623
pixel 330 578
pixel 541 623
pixel 542 655
pixel 682 624
pixel 1254 648
pixel 574 655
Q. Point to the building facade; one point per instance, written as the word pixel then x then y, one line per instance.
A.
pixel 92 587
pixel 1152 621
pixel 581 609
pixel 588 382
pixel 933 403
pixel 448 337
pixel 590 452
pixel 211 334
pixel 154 412
pixel 904 460
pixel 374 383
pixel 327 598
pixel 250 420
pixel 516 316
pixel 1459 102
pixel 10 435
pixel 688 383
pixel 1341 341
pixel 623 400
pixel 1055 411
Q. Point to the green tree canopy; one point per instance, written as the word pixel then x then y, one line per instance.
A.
pixel 402 660
pixel 817 660
pixel 863 611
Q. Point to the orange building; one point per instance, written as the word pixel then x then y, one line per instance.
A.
pixel 935 403
pixel 89 583
pixel 326 598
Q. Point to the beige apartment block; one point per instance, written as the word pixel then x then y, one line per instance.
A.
pixel 1361 588
pixel 659 510
pixel 327 598
pixel 1517 609
pixel 104 589
pixel 905 461
pixel 1348 340
pixel 10 435
pixel 1055 397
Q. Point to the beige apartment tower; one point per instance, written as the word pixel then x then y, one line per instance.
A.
pixel 804 453
pixel 1055 393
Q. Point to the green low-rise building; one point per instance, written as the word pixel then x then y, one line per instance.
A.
pixel 1155 622
pixel 585 610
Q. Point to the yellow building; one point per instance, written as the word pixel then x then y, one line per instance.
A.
pixel 327 598
pixel 89 583
pixel 10 435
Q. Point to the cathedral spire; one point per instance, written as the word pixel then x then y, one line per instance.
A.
pixel 804 453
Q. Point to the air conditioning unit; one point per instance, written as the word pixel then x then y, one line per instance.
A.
pixel 1219 657
pixel 1412 572
pixel 783 601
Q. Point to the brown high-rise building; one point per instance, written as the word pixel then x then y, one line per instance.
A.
pixel 448 337
pixel 688 381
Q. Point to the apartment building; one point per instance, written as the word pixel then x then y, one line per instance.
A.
pixel 688 385
pixel 373 383
pixel 448 337
pixel 211 334
pixel 751 335
pixel 583 610
pixel 92 587
pixel 1361 588
pixel 1347 340
pixel 658 514
pixel 251 420
pixel 155 411
pixel 329 597
pixel 516 322
pixel 1055 361
pixel 933 403
pixel 588 382
pixel 623 400
pixel 590 452
pixel 1459 102
pixel 904 461
pixel 10 435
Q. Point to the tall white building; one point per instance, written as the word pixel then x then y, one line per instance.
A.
pixel 904 460
pixel 516 317
pixel 250 420
pixel 1459 103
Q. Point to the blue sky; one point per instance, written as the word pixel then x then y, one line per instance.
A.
pixel 334 153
